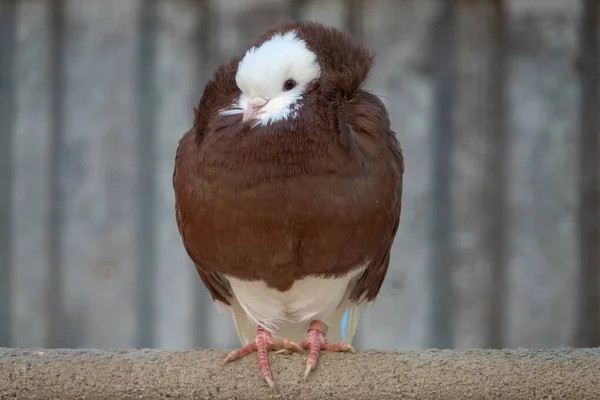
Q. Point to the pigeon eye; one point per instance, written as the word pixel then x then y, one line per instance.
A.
pixel 289 85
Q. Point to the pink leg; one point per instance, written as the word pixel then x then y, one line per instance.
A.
pixel 261 344
pixel 316 341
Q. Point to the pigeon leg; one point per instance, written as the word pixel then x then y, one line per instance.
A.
pixel 316 341
pixel 262 343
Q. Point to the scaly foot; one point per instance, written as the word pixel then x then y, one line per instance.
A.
pixel 262 344
pixel 316 341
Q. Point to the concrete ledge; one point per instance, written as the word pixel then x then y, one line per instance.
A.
pixel 432 374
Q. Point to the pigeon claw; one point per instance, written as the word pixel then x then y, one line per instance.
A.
pixel 262 343
pixel 315 342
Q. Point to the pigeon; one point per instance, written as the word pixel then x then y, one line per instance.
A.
pixel 288 190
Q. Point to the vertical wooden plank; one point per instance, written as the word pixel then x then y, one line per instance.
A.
pixel 180 316
pixel 99 174
pixel 58 319
pixel 31 185
pixel 443 58
pixel 478 171
pixel 588 324
pixel 7 99
pixel 542 94
pixel 147 151
pixel 497 199
pixel 397 32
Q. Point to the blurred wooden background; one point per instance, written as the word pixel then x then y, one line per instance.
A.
pixel 496 104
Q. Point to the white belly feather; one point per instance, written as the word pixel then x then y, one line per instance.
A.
pixel 287 314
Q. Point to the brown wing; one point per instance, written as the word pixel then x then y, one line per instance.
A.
pixel 216 285
pixel 368 118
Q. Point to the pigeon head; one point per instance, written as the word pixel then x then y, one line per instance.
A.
pixel 274 76
pixel 291 63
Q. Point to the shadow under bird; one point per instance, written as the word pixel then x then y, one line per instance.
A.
pixel 288 191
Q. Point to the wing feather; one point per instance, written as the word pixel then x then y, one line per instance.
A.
pixel 368 117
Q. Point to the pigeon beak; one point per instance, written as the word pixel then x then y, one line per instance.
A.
pixel 254 108
pixel 251 112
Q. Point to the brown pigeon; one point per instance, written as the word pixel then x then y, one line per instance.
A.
pixel 288 191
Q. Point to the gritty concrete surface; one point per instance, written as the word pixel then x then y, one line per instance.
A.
pixel 200 374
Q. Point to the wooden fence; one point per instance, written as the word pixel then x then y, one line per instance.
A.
pixel 496 104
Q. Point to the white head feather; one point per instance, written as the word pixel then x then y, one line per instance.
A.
pixel 263 72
